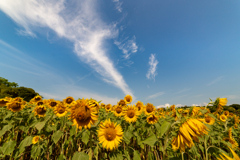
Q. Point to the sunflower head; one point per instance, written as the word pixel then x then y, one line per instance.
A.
pixel 40 111
pixel 39 103
pixel 94 103
pixel 152 119
pixel 140 106
pixel 35 139
pixel 122 102
pixel 61 109
pixel 36 98
pixel 118 111
pixel 110 134
pixel 128 99
pixel 69 100
pixel 18 99
pixel 51 103
pixel 108 107
pixel 209 120
pixel 235 126
pixel 223 118
pixel 172 107
pixel 3 102
pixel 180 110
pixel 149 109
pixel 226 113
pixel 131 114
pixel 83 114
pixel 103 105
pixel 15 106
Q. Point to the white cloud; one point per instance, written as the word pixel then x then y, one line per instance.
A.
pixel 155 95
pixel 168 105
pixel 215 81
pixel 200 104
pixel 128 46
pixel 153 67
pixel 118 5
pixel 76 21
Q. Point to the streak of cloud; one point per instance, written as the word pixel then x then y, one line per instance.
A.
pixel 118 5
pixel 155 95
pixel 152 72
pixel 76 21
pixel 215 81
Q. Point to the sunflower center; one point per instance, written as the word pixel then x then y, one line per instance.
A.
pixel 16 105
pixel 3 102
pixel 122 103
pixel 41 111
pixel 69 100
pixel 110 134
pixel 151 119
pixel 149 109
pixel 40 103
pixel 130 113
pixel 118 109
pixel 83 113
pixel 37 99
pixel 207 120
pixel 53 104
pixel 61 110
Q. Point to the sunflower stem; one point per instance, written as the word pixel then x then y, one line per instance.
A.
pixel 205 146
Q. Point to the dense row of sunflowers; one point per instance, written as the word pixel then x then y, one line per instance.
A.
pixel 87 129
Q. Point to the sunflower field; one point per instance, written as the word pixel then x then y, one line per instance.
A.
pixel 87 129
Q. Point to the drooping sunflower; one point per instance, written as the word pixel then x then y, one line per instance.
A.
pixel 83 114
pixel 231 139
pixel 40 111
pixel 3 102
pixel 223 118
pixel 149 108
pixel 51 103
pixel 122 102
pixel 35 139
pixel 235 126
pixel 69 101
pixel 222 101
pixel 128 99
pixel 110 134
pixel 108 107
pixel 140 106
pixel 130 113
pixel 195 111
pixel 152 119
pixel 172 107
pixel 189 131
pixel 118 111
pixel 61 109
pixel 15 106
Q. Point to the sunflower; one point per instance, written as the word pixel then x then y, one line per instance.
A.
pixel 40 111
pixel 149 108
pixel 51 103
pixel 189 131
pixel 18 99
pixel 128 99
pixel 131 114
pixel 35 139
pixel 110 134
pixel 61 109
pixel 231 139
pixel 39 103
pixel 103 105
pixel 140 106
pixel 95 103
pixel 36 99
pixel 222 101
pixel 172 107
pixel 108 107
pixel 180 110
pixel 69 101
pixel 152 119
pixel 208 120
pixel 83 114
pixel 195 111
pixel 3 102
pixel 118 111
pixel 223 118
pixel 122 102
pixel 15 106
pixel 226 113
pixel 235 126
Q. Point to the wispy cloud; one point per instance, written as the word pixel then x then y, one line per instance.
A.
pixel 155 95
pixel 200 104
pixel 152 72
pixel 118 5
pixel 128 46
pixel 215 81
pixel 76 21
pixel 183 90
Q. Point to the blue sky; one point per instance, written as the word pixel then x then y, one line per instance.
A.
pixel 178 52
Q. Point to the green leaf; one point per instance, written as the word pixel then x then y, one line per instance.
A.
pixel 203 111
pixel 136 155
pixel 127 155
pixel 164 128
pixel 80 156
pixel 8 147
pixel 73 130
pixel 61 157
pixel 158 127
pixel 56 136
pixel 127 136
pixel 5 129
pixel 40 125
pixel 116 156
pixel 150 140
pixel 35 152
pixel 26 142
pixel 85 136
